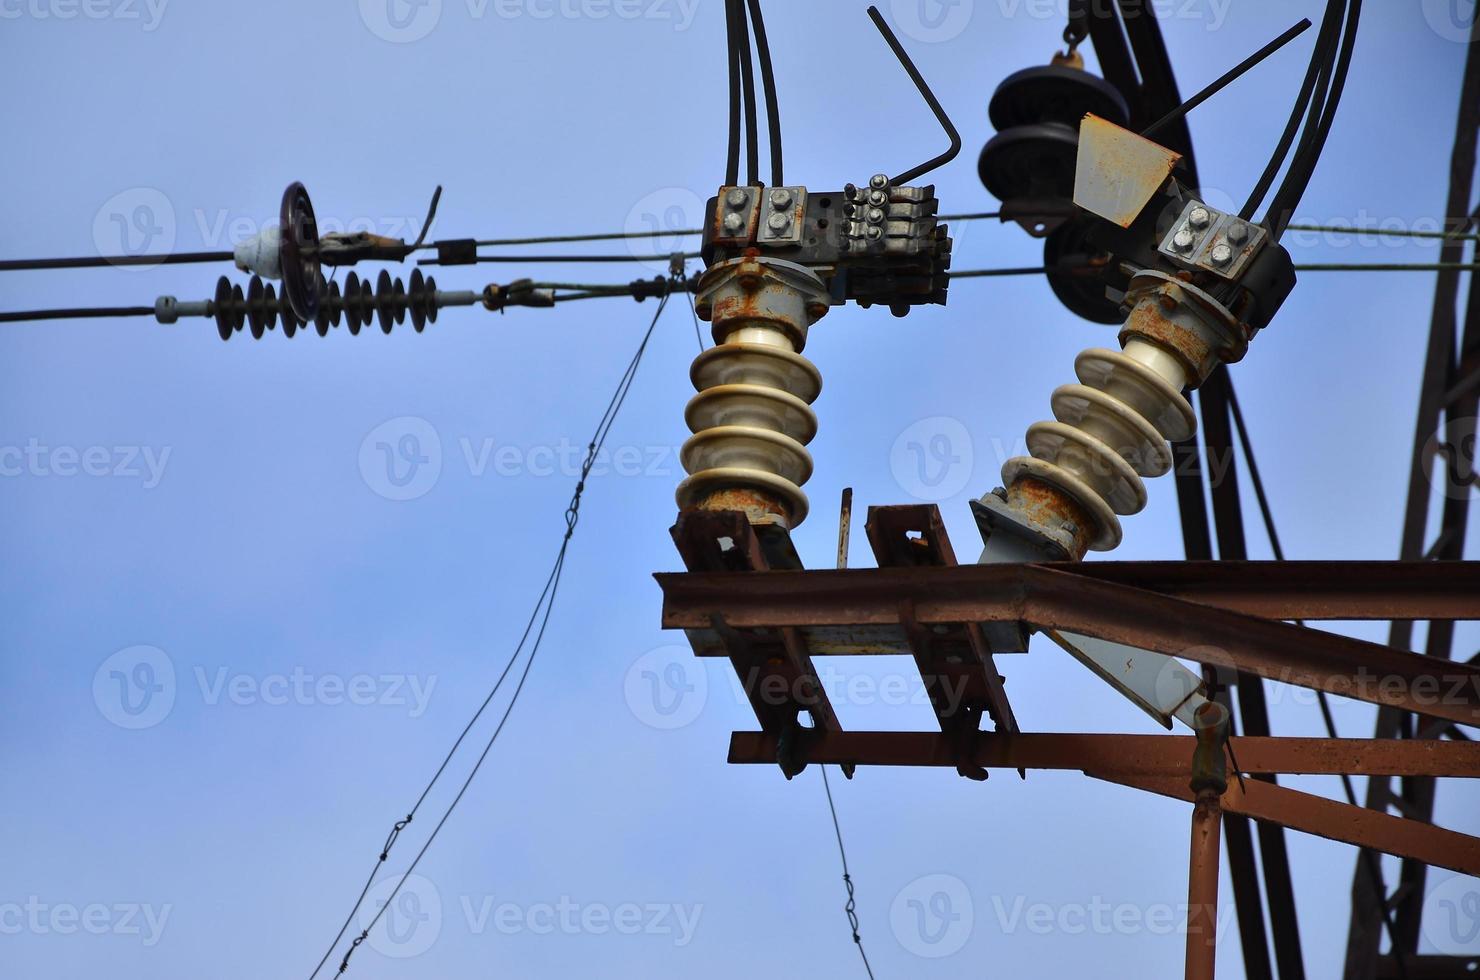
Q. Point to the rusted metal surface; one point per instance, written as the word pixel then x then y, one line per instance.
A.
pixel 1117 171
pixel 1151 755
pixel 775 670
pixel 1316 590
pixel 1209 781
pixel 1148 320
pixel 1051 597
pixel 758 507
pixel 960 684
pixel 1327 818
pixel 1202 888
pixel 1046 505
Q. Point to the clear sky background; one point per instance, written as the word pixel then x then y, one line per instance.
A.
pixel 265 562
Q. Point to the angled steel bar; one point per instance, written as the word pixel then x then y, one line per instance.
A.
pixel 1152 755
pixel 1313 590
pixel 1051 597
pixel 1327 818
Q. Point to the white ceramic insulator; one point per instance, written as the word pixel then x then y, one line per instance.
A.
pixel 261 254
pixel 751 419
pixel 1111 430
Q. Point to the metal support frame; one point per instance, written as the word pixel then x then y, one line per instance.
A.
pixel 1229 614
pixel 1446 394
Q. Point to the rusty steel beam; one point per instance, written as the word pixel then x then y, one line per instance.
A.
pixel 1316 815
pixel 1314 590
pixel 1050 597
pixel 1156 755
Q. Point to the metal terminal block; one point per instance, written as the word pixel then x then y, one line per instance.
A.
pixel 736 215
pixel 783 216
pixel 1213 241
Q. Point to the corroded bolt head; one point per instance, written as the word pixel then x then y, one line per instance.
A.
pixel 1199 218
pixel 780 198
pixel 1221 254
pixel 733 222
pixel 736 198
pixel 1182 240
pixel 779 221
pixel 878 182
pixel 1238 233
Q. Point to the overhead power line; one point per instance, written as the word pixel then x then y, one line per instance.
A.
pixel 546 601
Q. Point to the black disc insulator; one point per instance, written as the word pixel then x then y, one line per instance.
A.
pixel 299 252
pixel 228 307
pixel 1035 161
pixel 419 300
pixel 1054 93
pixel 1083 291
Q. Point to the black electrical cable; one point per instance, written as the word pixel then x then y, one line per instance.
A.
pixel 747 80
pixel 732 157
pixel 19 316
pixel 1290 193
pixel 1321 54
pixel 849 909
pixel 95 261
pixel 547 600
pixel 768 85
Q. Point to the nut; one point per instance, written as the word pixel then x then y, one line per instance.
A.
pixel 780 198
pixel 878 182
pixel 736 198
pixel 734 223
pixel 1182 240
pixel 778 221
pixel 1221 254
pixel 1199 218
pixel 1238 233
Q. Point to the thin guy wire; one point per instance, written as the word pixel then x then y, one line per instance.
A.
pixel 552 584
pixel 850 909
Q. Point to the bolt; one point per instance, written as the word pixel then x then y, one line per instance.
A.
pixel 999 492
pixel 779 221
pixel 780 198
pixel 733 223
pixel 1221 254
pixel 875 232
pixel 1238 233
pixel 878 197
pixel 1182 240
pixel 736 198
pixel 875 215
pixel 1069 527
pixel 878 182
pixel 1199 218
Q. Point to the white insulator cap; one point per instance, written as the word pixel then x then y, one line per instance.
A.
pixel 262 253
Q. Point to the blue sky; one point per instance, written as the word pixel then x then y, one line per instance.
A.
pixel 317 643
